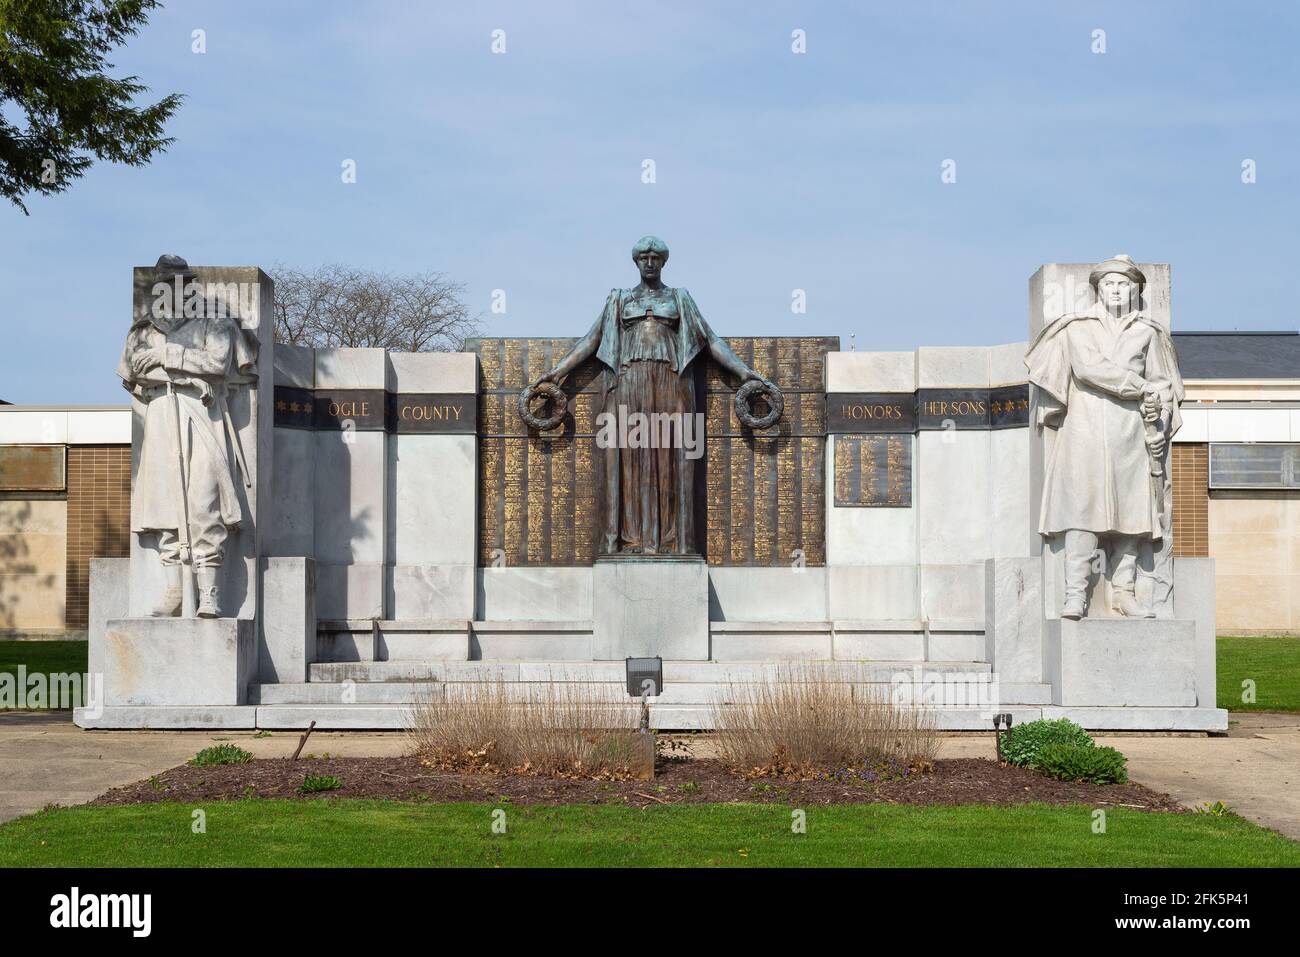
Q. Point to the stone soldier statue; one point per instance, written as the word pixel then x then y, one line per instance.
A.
pixel 1107 381
pixel 180 360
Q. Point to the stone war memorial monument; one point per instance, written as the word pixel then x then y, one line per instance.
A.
pixel 330 535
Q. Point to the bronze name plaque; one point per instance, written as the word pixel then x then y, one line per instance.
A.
pixel 873 471
pixel 762 494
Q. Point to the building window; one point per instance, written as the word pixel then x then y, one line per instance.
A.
pixel 1254 465
pixel 32 468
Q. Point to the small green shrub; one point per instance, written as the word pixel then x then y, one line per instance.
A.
pixel 1080 762
pixel 1217 809
pixel 221 754
pixel 318 782
pixel 1022 743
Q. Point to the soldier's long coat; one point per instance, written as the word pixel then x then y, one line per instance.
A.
pixel 1091 371
pixel 202 355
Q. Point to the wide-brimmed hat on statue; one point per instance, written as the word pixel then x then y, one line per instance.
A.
pixel 1124 265
pixel 169 266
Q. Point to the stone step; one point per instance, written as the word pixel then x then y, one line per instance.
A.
pixel 674 671
pixel 667 717
pixel 974 689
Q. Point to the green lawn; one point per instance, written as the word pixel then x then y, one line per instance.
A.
pixel 325 833
pixel 1272 663
pixel 43 657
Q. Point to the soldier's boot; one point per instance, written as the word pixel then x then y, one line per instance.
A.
pixel 169 603
pixel 1123 582
pixel 205 579
pixel 1126 603
pixel 1079 550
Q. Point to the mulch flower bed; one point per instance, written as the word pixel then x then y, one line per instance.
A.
pixel 677 781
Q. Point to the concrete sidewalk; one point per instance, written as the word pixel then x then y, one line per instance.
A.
pixel 1255 769
pixel 45 759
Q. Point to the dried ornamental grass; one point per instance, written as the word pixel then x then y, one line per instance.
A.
pixel 815 720
pixel 561 729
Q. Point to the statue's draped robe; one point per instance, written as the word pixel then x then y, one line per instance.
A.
pixel 1091 372
pixel 648 494
pixel 201 356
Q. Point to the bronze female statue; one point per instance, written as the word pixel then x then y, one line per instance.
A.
pixel 646 338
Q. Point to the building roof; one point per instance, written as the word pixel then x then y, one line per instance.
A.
pixel 1238 355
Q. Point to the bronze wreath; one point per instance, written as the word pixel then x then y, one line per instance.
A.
pixel 775 400
pixel 548 390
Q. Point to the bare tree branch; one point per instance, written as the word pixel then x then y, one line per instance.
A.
pixel 342 306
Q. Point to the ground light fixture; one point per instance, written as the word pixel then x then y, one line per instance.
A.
pixel 645 677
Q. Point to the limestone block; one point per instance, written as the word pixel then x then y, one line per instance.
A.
pixel 349 591
pixel 531 640
pixel 423 640
pixel 292 524
pixel 432 499
pixel 869 536
pixel 351 368
pixel 856 592
pixel 181 718
pixel 535 593
pixel 963 367
pixel 1121 662
pixel 350 493
pixel 288 621
pixel 767 594
pixel 651 606
pixel 1142 719
pixel 861 641
pixel 953 492
pixel 178 662
pixel 455 372
pixel 110 581
pixel 343 717
pixel 952 591
pixel 955 646
pixel 1013 634
pixel 870 372
pixel 431 590
pixel 1194 599
pixel 295 366
pixel 1009 490
pixel 1007 363
pixel 771 640
pixel 344 641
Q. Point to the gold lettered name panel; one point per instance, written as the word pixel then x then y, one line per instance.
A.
pixel 873 470
pixel 537 490
pixel 765 491
pixel 761 495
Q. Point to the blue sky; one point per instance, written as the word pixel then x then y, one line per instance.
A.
pixel 775 171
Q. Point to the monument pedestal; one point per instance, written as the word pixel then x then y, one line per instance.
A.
pixel 651 605
pixel 1121 662
pixel 164 662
